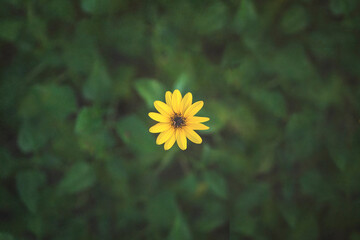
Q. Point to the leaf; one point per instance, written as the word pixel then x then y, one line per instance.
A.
pixel 272 101
pixel 93 135
pixel 245 16
pixel 89 120
pixel 253 196
pixel 183 82
pixel 219 114
pixel 307 228
pixel 98 86
pixel 99 7
pixel 31 137
pixel 180 229
pixel 136 136
pixel 28 184
pixel 81 53
pixel 161 210
pixel 214 215
pixel 301 135
pixel 216 184
pixel 80 177
pixel 294 20
pixel 298 67
pixel 340 7
pixel 89 5
pixel 338 149
pixel 150 90
pixel 9 29
pixel 6 236
pixel 211 19
pixel 7 163
pixel 130 34
pixel 290 213
pixel 54 102
pixel 244 121
pixel 313 184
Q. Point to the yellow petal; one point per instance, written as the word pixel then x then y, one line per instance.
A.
pixel 197 126
pixel 164 136
pixel 181 139
pixel 192 135
pixel 159 127
pixel 163 108
pixel 193 109
pixel 168 96
pixel 194 119
pixel 186 102
pixel 169 143
pixel 158 117
pixel 176 101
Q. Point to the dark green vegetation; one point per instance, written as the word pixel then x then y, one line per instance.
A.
pixel 280 82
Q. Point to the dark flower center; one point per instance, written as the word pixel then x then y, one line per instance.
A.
pixel 178 121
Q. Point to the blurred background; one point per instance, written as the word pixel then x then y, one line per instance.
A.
pixel 280 82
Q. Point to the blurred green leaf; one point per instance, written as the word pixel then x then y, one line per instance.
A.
pixel 244 224
pixel 7 163
pixel 294 20
pixel 6 236
pixel 211 18
pixel 298 67
pixel 51 101
pixel 130 34
pixel 180 229
pixel 100 7
pixel 136 136
pixel 272 101
pixel 89 5
pixel 9 29
pixel 217 183
pixel 89 121
pixel 246 15
pixel 313 184
pixel 150 90
pixel 253 196
pixel 161 210
pixel 80 177
pixel 98 86
pixel 218 113
pixel 28 184
pixel 214 215
pixel 290 213
pixel 339 154
pixel 31 137
pixel 244 121
pixel 80 53
pixel 91 130
pixel 355 236
pixel 307 228
pixel 183 82
pixel 301 135
pixel 63 10
pixel 339 7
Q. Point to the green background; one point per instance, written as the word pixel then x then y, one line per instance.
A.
pixel 280 83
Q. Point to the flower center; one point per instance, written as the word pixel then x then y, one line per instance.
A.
pixel 178 121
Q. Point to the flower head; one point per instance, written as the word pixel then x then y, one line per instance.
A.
pixel 177 121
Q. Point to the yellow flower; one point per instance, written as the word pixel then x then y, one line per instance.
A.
pixel 177 121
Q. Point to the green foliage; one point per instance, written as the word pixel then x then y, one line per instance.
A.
pixel 294 20
pixel 98 86
pixel 279 81
pixel 149 90
pixel 79 177
pixel 28 184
